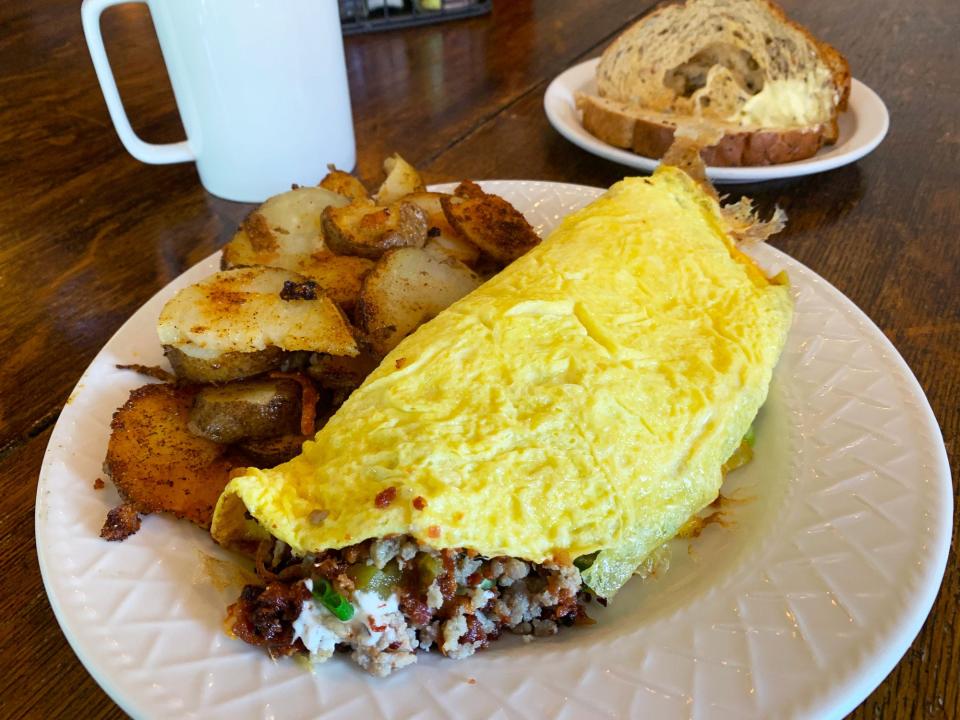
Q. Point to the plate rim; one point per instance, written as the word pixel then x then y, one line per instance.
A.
pixel 842 698
pixel 556 95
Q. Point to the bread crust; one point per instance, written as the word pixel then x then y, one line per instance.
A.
pixel 651 137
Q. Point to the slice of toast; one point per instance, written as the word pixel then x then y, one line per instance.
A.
pixel 650 134
pixel 742 67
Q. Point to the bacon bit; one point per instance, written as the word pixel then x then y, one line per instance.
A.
pixel 471 681
pixel 122 522
pixel 414 606
pixel 401 363
pixel 375 628
pixel 98 484
pixel 433 531
pixel 474 633
pixel 385 497
pixel 158 373
pixel 308 400
pixel 419 502
pixel 602 600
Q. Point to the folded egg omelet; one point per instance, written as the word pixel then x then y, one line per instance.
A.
pixel 582 400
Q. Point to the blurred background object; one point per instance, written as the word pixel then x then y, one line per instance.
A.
pixel 358 16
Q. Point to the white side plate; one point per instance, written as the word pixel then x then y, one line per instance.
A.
pixel 829 563
pixel 862 127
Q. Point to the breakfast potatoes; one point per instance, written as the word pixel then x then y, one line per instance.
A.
pixel 321 281
pixel 405 289
pixel 370 230
pixel 157 464
pixel 245 321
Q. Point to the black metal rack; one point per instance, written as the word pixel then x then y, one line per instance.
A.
pixel 359 16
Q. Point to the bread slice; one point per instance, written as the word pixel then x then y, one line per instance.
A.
pixel 650 134
pixel 739 66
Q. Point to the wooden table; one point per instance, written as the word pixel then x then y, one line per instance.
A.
pixel 87 233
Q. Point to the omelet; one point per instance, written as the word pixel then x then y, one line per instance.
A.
pixel 581 402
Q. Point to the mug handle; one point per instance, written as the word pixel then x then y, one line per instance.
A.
pixel 157 154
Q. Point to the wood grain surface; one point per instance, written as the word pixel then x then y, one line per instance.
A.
pixel 87 233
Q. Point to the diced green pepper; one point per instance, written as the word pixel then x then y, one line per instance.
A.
pixel 369 579
pixel 430 569
pixel 486 585
pixel 361 574
pixel 585 561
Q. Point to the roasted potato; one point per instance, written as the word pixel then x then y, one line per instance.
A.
pixel 223 367
pixel 407 287
pixel 402 179
pixel 160 466
pixel 440 233
pixel 246 409
pixel 343 183
pixel 268 452
pixel 286 232
pixel 490 223
pixel 251 310
pixel 341 373
pixel 369 231
pixel 286 224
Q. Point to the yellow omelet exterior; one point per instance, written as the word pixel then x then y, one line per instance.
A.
pixel 582 400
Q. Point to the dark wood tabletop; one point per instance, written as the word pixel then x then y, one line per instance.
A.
pixel 88 234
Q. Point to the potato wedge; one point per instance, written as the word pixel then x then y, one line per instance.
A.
pixel 334 372
pixel 343 183
pixel 157 464
pixel 224 367
pixel 369 231
pixel 440 233
pixel 407 287
pixel 268 452
pixel 246 409
pixel 490 223
pixel 402 179
pixel 286 224
pixel 244 311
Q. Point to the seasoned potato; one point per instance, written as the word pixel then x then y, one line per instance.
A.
pixel 286 224
pixel 224 367
pixel 440 233
pixel 339 276
pixel 246 409
pixel 251 310
pixel 369 231
pixel 268 452
pixel 469 190
pixel 286 232
pixel 343 183
pixel 341 373
pixel 407 287
pixel 490 223
pixel 402 179
pixel 157 464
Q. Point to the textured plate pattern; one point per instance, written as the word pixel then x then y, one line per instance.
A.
pixel 830 558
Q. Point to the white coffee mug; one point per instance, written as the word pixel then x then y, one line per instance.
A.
pixel 261 86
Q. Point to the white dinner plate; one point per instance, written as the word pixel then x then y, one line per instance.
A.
pixel 862 127
pixel 827 564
